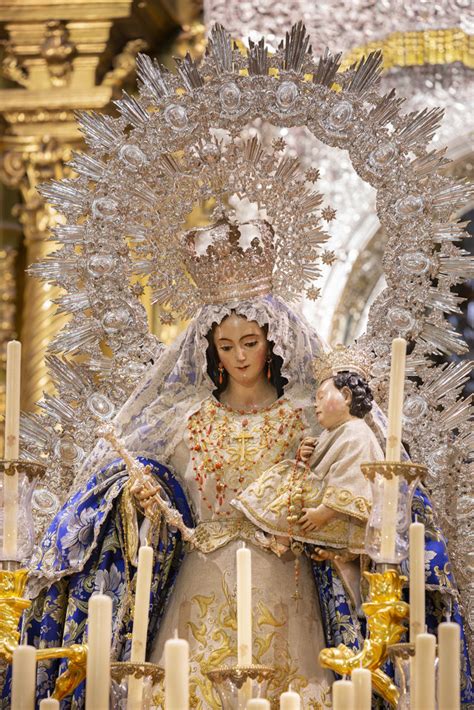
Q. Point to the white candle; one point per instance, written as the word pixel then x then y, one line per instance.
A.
pixel 394 441
pixel 290 701
pixel 140 624
pixel 416 552
pixel 49 704
pixel 24 678
pixel 98 656
pixel 362 682
pixel 424 681
pixel 343 695
pixel 449 669
pixel 176 674
pixel 244 607
pixel 258 704
pixel 12 448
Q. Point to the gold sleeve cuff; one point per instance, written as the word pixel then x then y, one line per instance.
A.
pixel 346 502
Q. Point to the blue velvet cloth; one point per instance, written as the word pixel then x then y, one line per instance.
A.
pixel 86 544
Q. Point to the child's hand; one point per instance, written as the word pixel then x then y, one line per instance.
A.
pixel 306 448
pixel 320 555
pixel 315 518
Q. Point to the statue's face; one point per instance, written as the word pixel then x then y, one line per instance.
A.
pixel 242 349
pixel 332 404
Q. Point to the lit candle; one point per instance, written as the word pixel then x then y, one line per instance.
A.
pixel 98 656
pixel 23 678
pixel 244 617
pixel 290 701
pixel 258 704
pixel 49 704
pixel 343 695
pixel 416 552
pixel 244 606
pixel 394 441
pixel 449 669
pixel 176 674
pixel 424 681
pixel 140 624
pixel 12 449
pixel 362 682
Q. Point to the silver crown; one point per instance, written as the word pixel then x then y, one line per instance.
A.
pixel 228 269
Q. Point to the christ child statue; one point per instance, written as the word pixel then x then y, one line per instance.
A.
pixel 322 496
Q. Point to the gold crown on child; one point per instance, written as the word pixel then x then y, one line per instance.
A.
pixel 342 359
pixel 236 263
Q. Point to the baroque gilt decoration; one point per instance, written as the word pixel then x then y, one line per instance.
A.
pixel 57 59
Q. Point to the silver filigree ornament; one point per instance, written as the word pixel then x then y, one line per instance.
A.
pixel 117 318
pixel 382 156
pixel 415 408
pixel 100 406
pixel 415 263
pixel 230 97
pixel 100 264
pixel 104 208
pixel 132 156
pixel 286 95
pixel 176 117
pixel 137 216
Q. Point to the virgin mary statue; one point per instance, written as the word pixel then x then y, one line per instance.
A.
pixel 232 396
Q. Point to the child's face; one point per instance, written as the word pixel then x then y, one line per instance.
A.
pixel 332 404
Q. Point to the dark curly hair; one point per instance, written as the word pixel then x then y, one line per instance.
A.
pixel 362 397
pixel 276 378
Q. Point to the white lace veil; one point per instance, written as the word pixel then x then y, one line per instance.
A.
pixel 153 419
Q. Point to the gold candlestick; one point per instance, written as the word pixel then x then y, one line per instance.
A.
pixel 12 606
pixel 13 581
pixel 385 611
pixel 229 680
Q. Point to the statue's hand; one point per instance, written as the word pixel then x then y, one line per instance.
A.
pixel 306 448
pixel 314 518
pixel 320 554
pixel 145 490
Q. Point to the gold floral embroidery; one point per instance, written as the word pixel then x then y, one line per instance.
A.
pixel 212 534
pixel 346 502
pixel 215 636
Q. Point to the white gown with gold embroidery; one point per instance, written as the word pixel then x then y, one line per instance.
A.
pixel 222 452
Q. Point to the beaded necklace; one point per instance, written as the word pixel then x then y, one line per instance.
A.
pixel 226 453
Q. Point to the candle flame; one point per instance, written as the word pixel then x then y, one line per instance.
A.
pixel 176 633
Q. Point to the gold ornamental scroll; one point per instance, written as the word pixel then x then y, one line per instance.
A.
pixel 57 59
pixel 419 48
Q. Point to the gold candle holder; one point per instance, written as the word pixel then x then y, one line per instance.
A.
pixel 385 611
pixel 13 580
pixel 401 655
pixel 120 670
pixel 150 673
pixel 229 680
pixel 12 606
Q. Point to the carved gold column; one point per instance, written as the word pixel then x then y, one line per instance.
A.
pixel 24 164
pixel 7 317
pixel 57 59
